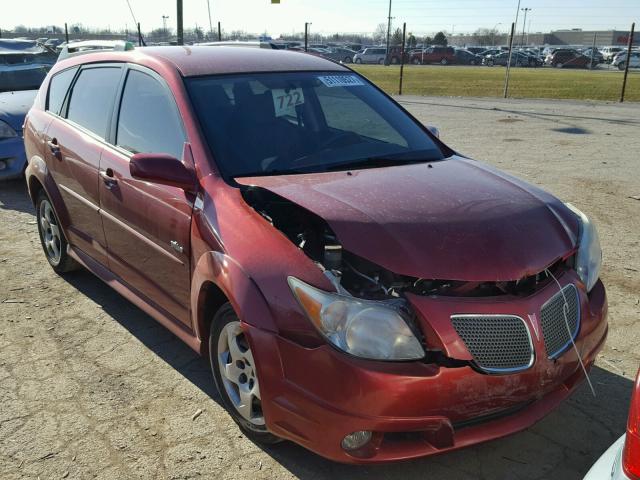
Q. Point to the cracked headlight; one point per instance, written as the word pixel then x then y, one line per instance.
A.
pixel 364 328
pixel 6 131
pixel 589 256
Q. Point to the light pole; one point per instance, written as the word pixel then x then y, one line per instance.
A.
pixel 524 24
pixel 306 35
pixel 210 24
pixel 386 57
pixel 164 26
pixel 493 34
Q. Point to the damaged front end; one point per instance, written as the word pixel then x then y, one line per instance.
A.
pixel 363 286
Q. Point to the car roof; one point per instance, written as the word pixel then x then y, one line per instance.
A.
pixel 212 60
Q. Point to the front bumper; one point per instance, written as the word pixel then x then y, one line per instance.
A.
pixel 316 396
pixel 12 158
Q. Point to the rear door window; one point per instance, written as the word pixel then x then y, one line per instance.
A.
pixel 149 121
pixel 92 97
pixel 58 88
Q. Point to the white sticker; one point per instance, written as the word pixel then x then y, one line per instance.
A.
pixel 286 101
pixel 341 81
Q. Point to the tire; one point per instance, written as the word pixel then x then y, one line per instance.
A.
pixel 347 60
pixel 490 63
pixel 444 61
pixel 559 65
pixel 229 346
pixel 394 60
pixel 381 61
pixel 358 61
pixel 416 61
pixel 54 244
pixel 622 65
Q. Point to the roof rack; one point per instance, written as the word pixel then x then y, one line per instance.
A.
pixel 73 49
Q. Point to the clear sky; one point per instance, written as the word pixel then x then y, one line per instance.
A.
pixel 328 16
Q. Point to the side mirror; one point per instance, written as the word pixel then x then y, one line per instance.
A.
pixel 161 168
pixel 434 131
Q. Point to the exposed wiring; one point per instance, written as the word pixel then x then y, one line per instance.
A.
pixel 565 308
pixel 366 277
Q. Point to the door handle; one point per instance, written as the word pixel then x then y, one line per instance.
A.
pixel 108 178
pixel 55 148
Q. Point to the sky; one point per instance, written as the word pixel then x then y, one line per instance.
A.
pixel 329 16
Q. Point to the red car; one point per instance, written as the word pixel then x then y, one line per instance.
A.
pixel 358 287
pixel 441 55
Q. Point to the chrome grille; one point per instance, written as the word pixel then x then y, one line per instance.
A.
pixel 498 343
pixel 554 328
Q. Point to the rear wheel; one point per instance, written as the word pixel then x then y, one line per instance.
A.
pixel 381 61
pixel 621 65
pixel 358 60
pixel 444 61
pixel 489 63
pixel 52 238
pixel 347 60
pixel 559 65
pixel 415 61
pixel 235 375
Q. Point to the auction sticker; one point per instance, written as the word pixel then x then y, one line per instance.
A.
pixel 286 101
pixel 341 80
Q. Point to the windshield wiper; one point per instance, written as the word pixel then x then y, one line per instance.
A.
pixel 376 162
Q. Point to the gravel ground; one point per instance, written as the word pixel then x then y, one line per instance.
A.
pixel 91 387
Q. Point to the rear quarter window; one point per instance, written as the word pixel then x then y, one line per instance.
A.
pixel 58 87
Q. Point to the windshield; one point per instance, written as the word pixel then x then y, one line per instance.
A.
pixel 279 123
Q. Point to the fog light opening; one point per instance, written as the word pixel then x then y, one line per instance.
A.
pixel 356 440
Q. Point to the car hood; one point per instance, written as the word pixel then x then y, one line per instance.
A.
pixel 15 105
pixel 455 219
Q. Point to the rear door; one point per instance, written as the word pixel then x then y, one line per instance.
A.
pixel 75 140
pixel 147 225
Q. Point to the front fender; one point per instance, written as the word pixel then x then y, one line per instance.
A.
pixel 241 291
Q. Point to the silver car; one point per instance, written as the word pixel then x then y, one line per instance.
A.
pixel 370 55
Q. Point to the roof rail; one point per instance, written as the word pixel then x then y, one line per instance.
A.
pixel 73 49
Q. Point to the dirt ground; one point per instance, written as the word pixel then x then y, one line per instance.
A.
pixel 91 387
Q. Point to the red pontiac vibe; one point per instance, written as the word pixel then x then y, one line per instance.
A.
pixel 358 287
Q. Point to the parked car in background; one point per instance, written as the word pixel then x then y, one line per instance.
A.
pixel 465 57
pixel 568 58
pixel 340 54
pixel 594 54
pixel 441 55
pixel 475 50
pixel 490 51
pixel 609 52
pixel 23 66
pixel 518 59
pixel 371 55
pixel 459 312
pixel 620 60
pixel 621 461
pixel 395 55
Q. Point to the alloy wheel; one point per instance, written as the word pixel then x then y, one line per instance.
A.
pixel 50 232
pixel 238 372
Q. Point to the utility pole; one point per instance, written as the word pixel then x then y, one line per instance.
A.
pixel 626 63
pixel 179 30
pixel 404 36
pixel 506 80
pixel 524 24
pixel 219 33
pixel 164 26
pixel 386 58
pixel 66 32
pixel 306 35
pixel 593 49
pixel 210 24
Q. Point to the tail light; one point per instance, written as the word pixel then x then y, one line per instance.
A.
pixel 631 452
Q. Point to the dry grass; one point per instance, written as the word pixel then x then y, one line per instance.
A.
pixel 489 82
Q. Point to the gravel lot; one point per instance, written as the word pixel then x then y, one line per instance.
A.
pixel 91 387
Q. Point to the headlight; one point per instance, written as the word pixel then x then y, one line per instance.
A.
pixel 363 328
pixel 589 257
pixel 6 131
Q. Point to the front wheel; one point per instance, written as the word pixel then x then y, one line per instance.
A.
pixel 416 61
pixel 381 61
pixel 235 375
pixel 621 66
pixel 444 61
pixel 559 65
pixel 52 238
pixel 347 60
pixel 489 63
pixel 358 60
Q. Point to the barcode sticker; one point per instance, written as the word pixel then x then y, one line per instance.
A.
pixel 341 80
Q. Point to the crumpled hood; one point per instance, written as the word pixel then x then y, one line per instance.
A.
pixel 456 219
pixel 14 107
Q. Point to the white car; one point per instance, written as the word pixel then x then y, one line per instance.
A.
pixel 620 60
pixel 609 52
pixel 621 461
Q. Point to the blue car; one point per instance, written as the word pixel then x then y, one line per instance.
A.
pixel 23 66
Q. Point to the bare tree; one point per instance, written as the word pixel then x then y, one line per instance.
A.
pixel 380 34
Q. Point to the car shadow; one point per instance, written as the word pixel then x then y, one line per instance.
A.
pixel 567 441
pixel 14 196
